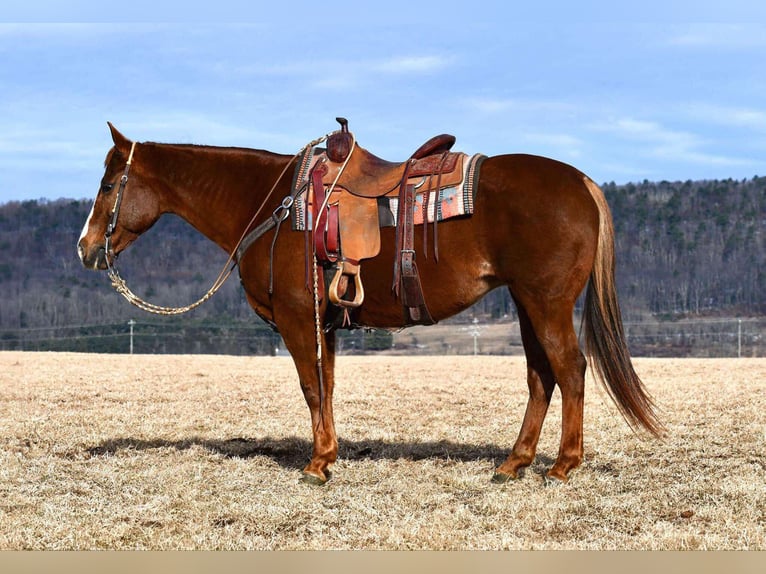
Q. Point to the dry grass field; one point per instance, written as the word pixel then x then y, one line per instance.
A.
pixel 205 452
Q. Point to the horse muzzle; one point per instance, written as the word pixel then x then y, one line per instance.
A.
pixel 94 259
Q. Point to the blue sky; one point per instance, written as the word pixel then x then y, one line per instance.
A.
pixel 622 98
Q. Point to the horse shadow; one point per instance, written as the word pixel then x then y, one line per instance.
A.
pixel 292 453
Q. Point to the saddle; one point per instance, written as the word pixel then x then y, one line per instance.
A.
pixel 347 184
pixel 366 175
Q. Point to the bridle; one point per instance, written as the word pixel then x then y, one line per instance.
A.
pixel 117 204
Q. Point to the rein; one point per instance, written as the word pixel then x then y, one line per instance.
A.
pixel 119 283
pixel 245 240
pixel 280 213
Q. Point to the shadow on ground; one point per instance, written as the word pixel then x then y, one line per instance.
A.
pixel 294 452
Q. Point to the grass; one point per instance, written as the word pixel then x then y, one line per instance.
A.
pixel 205 452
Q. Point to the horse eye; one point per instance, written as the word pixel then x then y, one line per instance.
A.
pixel 107 187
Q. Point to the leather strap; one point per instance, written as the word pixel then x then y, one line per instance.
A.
pixel 437 175
pixel 437 204
pixel 408 284
pixel 324 251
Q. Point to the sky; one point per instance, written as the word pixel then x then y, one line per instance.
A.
pixel 674 93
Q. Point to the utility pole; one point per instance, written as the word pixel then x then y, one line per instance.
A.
pixel 131 323
pixel 739 338
pixel 475 331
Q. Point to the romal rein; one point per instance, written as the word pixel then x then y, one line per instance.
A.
pixel 121 286
pixel 119 283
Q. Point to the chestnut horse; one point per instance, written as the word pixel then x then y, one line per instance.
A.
pixel 539 227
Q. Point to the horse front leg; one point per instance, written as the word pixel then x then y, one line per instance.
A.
pixel 301 342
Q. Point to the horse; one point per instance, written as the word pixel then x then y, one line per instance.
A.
pixel 540 227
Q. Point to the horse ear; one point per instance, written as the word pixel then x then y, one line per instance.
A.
pixel 120 141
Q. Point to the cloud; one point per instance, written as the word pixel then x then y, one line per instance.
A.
pixel 345 80
pixel 731 116
pixel 357 73
pixel 719 35
pixel 560 143
pixel 336 74
pixel 19 143
pixel 648 132
pixel 200 128
pixel 69 34
pixel 664 143
pixel 413 64
pixel 488 105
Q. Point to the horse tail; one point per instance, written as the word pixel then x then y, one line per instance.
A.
pixel 605 342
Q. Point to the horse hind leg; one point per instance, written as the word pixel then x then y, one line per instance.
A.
pixel 541 384
pixel 557 335
pixel 554 332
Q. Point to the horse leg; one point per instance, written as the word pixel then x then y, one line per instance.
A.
pixel 541 384
pixel 555 331
pixel 551 320
pixel 302 346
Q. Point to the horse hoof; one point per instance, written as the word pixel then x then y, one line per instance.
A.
pixel 313 479
pixel 552 481
pixel 502 478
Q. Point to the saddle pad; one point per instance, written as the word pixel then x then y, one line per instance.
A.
pixel 454 201
pixel 447 202
pixel 301 215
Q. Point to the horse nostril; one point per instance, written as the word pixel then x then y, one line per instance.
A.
pixel 81 252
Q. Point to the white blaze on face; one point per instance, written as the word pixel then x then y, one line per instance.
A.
pixel 84 232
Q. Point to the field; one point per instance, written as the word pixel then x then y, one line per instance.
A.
pixel 205 452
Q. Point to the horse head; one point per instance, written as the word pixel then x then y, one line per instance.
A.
pixel 121 211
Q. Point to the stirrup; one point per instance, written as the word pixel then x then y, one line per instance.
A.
pixel 346 268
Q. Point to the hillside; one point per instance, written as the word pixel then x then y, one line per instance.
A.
pixel 684 250
pixel 692 247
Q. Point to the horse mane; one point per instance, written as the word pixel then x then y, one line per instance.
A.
pixel 202 147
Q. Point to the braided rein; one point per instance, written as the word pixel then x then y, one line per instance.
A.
pixel 120 284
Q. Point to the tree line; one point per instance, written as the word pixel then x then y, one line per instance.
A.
pixel 691 248
pixel 684 249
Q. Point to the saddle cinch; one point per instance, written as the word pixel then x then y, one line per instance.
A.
pixel 346 185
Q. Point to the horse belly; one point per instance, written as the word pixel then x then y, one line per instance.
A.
pixel 461 276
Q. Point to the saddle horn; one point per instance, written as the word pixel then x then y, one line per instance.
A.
pixel 339 143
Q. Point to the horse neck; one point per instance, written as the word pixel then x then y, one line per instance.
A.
pixel 219 190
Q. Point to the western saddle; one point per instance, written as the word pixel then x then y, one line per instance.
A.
pixel 345 185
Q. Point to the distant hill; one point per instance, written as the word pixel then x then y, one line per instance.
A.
pixel 691 247
pixel 684 249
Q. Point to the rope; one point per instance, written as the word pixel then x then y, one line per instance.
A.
pixel 318 332
pixel 122 288
pixel 317 316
